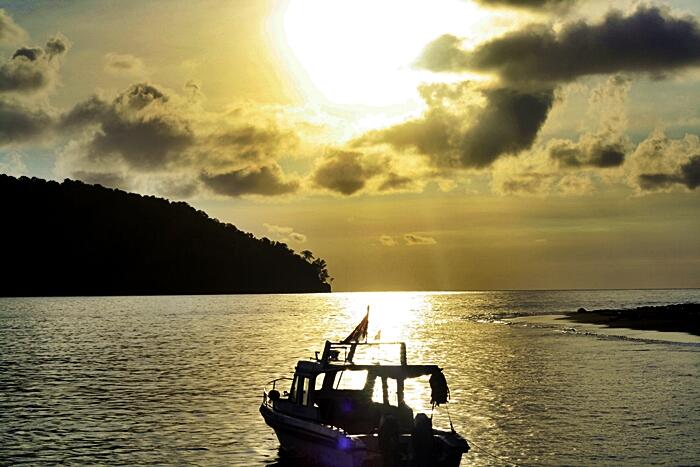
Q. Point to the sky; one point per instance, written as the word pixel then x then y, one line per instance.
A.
pixel 442 145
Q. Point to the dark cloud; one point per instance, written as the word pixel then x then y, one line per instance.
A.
pixel 108 179
pixel 656 181
pixel 531 183
pixel 90 111
pixel 135 127
pixel 32 69
pixel 592 154
pixel 23 73
pixel 253 143
pixel 20 123
pixel 138 96
pixel 122 64
pixel 30 53
pixel 529 4
pixel 147 133
pixel 266 180
pixel 507 123
pixel 649 40
pixel 395 182
pixel 249 135
pixel 345 172
pixel 144 143
pixel 688 175
pixel 57 45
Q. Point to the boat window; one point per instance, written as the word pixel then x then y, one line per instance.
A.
pixel 292 390
pixel 303 391
pixel 377 391
pixel 391 389
pixel 351 379
pixel 319 381
pixel 392 392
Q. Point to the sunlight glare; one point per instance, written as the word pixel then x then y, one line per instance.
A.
pixel 392 314
pixel 360 52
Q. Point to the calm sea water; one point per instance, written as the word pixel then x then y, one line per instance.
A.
pixel 178 380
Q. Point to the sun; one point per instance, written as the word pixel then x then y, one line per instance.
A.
pixel 359 53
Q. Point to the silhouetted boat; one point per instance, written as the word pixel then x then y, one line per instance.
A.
pixel 329 426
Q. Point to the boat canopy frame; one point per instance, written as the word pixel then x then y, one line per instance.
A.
pixel 331 351
pixel 330 362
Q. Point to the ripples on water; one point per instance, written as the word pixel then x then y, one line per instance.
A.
pixel 177 380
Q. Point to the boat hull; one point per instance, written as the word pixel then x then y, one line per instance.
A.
pixel 327 446
pixel 315 443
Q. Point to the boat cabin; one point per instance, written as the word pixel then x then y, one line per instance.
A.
pixel 349 396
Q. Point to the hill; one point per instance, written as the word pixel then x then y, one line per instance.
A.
pixel 71 238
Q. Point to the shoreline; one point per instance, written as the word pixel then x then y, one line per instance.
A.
pixel 682 317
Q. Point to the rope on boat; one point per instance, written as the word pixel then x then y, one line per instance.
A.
pixel 472 443
pixel 479 448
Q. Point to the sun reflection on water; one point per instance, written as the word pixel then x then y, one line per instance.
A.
pixel 394 317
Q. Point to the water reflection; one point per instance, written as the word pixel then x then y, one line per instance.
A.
pixel 143 380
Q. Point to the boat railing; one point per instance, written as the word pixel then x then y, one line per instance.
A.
pixel 274 381
pixel 331 350
pixel 274 387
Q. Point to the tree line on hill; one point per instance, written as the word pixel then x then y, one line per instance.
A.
pixel 70 238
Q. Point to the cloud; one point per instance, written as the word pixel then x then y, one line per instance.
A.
pixel 147 143
pixel 107 179
pixel 124 64
pixel 606 144
pixel 387 240
pixel 13 164
pixel 444 54
pixel 177 186
pixel 265 180
pixel 650 40
pixel 278 229
pixel 457 131
pixel 88 112
pixel 588 151
pixel 285 234
pixel 19 123
pixel 149 129
pixel 396 182
pixel 688 175
pixel 535 173
pixel 345 172
pixel 529 4
pixel 57 45
pixel 297 237
pixel 508 124
pixel 254 143
pixel 149 133
pixel 137 127
pixel 660 163
pixel 33 69
pixel 413 239
pixel 10 32
pixel 524 183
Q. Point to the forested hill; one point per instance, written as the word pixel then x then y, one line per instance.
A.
pixel 75 239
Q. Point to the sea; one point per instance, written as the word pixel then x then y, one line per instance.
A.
pixel 179 379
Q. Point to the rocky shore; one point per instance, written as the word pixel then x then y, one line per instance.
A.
pixel 682 317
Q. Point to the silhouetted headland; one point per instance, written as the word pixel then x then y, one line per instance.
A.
pixel 682 317
pixel 71 238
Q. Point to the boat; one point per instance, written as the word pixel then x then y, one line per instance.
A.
pixel 321 423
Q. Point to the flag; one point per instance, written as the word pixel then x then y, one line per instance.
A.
pixel 360 332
